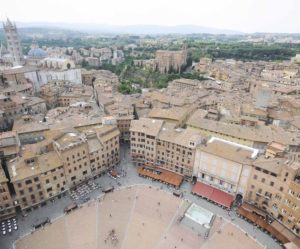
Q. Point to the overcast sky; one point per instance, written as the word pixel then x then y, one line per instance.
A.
pixel 239 15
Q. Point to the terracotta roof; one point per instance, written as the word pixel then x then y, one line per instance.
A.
pixel 180 136
pixel 231 151
pixel 173 113
pixel 69 139
pixel 280 115
pixel 147 126
pixel 273 165
pixel 264 134
pixel 252 110
pixel 19 170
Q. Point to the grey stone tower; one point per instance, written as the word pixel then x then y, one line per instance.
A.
pixel 13 43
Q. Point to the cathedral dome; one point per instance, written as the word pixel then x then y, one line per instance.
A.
pixel 37 53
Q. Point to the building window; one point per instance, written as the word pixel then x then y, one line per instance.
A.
pixel 255 177
pixel 28 182
pixel 271 183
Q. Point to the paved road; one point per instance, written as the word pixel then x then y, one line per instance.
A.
pixel 55 209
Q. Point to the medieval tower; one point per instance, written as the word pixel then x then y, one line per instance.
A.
pixel 13 43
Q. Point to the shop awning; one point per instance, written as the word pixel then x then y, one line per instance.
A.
pixel 283 234
pixel 262 223
pixel 218 196
pixel 222 198
pixel 162 175
pixel 203 190
pixel 252 217
pixel 241 211
pixel 253 209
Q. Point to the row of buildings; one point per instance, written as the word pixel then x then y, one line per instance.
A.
pixel 248 146
pixel 36 173
pixel 266 176
pixel 60 93
pixel 231 72
pixel 48 69
pixel 98 56
pixel 60 137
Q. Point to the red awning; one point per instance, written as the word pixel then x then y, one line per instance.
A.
pixel 218 196
pixel 222 198
pixel 203 190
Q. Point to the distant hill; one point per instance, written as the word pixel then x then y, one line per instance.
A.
pixel 130 29
pixel 43 32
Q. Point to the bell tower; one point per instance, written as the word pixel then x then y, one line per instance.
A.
pixel 13 43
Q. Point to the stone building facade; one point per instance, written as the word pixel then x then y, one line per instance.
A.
pixel 7 209
pixel 156 143
pixel 166 61
pixel 65 158
pixel 225 165
pixel 274 186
